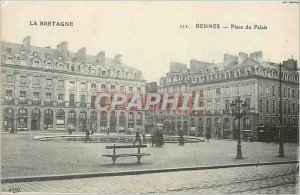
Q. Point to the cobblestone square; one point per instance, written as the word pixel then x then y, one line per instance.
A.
pixel 23 156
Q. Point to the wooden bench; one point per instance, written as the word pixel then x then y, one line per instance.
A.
pixel 138 155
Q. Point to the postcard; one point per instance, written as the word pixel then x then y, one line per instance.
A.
pixel 149 97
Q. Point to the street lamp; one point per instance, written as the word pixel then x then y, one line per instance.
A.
pixel 238 110
pixel 281 150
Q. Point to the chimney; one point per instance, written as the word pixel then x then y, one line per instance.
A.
pixel 118 58
pixel 82 54
pixel 101 57
pixel 228 59
pixel 257 56
pixel 290 63
pixel 242 57
pixel 63 49
pixel 27 44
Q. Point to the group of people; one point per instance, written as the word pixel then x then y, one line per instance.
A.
pixel 157 138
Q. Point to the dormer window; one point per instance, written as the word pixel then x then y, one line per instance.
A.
pixel 72 67
pixel 23 62
pixel 36 63
pixel 10 60
pixel 49 65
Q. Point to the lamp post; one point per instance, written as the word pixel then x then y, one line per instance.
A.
pixel 238 110
pixel 281 150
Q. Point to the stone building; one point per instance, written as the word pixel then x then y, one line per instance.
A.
pixel 249 77
pixel 55 89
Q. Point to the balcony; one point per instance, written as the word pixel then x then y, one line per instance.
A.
pixel 36 102
pixel 8 100
pixel 72 104
pixel 61 103
pixel 83 104
pixel 23 101
pixel 48 102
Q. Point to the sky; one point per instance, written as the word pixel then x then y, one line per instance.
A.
pixel 148 34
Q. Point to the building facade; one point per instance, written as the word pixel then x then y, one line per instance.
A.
pixel 249 77
pixel 55 89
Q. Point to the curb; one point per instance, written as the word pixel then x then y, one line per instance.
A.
pixel 137 172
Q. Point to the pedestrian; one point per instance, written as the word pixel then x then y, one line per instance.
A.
pixel 144 138
pixel 70 130
pixel 137 138
pixel 181 139
pixel 152 137
pixel 87 136
pixel 207 136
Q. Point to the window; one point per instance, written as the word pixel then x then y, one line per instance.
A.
pixel 48 96
pixel 93 99
pixel 8 94
pixel 72 84
pixel 130 88
pixel 201 93
pixel 49 65
pixel 72 68
pixel 260 121
pixel 267 105
pixel 293 93
pixel 289 107
pixel 82 99
pixel 218 105
pixel 22 95
pixel 36 63
pixel 23 79
pixel 103 72
pixel 9 78
pixel 36 96
pixel 293 108
pixel 267 121
pixel 93 85
pixel 274 121
pixel 247 100
pixel 61 83
pixel 122 88
pixel 267 90
pixel 248 91
pixel 209 105
pixel 288 92
pixel 227 105
pixel 83 85
pixel 236 90
pixel 112 87
pixel 260 89
pixel 273 90
pixel 273 106
pixel 60 97
pixel 260 105
pixel 72 99
pixel 284 107
pixel 218 92
pixel 10 61
pixel 103 86
pixel 36 80
pixel 49 82
pixel 139 89
pixel 284 92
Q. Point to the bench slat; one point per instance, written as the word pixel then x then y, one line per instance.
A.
pixel 125 155
pixel 126 146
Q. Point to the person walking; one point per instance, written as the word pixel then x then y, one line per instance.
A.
pixel 207 136
pixel 181 139
pixel 137 138
pixel 87 136
pixel 144 138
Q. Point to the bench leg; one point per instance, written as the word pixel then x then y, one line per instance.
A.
pixel 114 160
pixel 139 159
